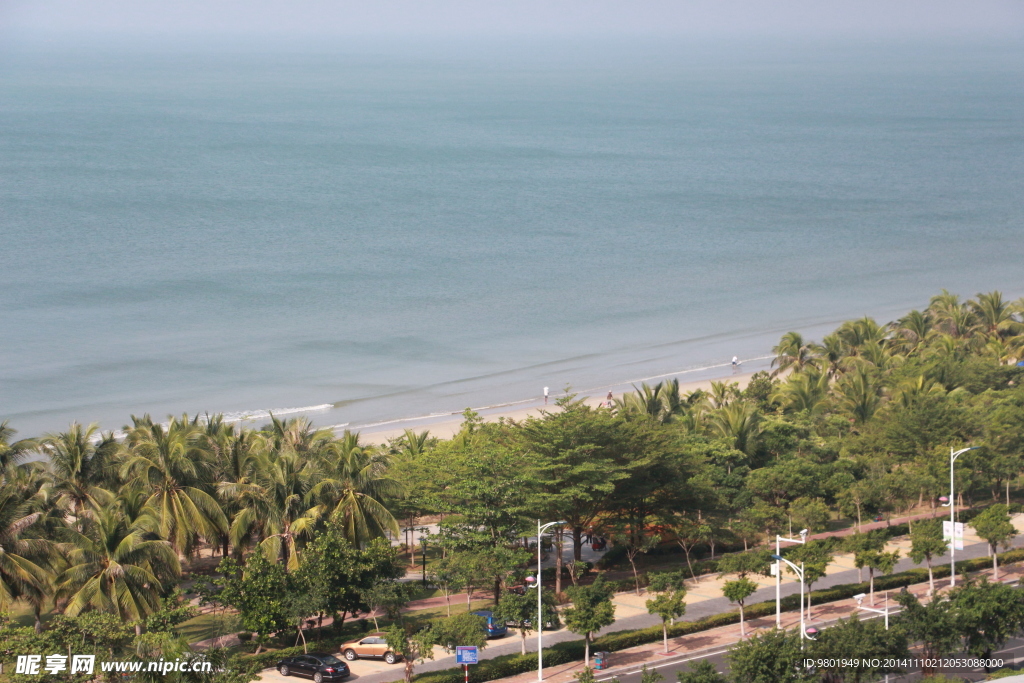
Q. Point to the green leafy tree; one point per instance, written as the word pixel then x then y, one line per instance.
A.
pixel 994 526
pixel 702 671
pixel 335 575
pixel 444 574
pixel 579 458
pixel 738 591
pixel 669 602
pixel 462 629
pixel 877 560
pixel 850 639
pixel 987 615
pixel 521 611
pixel 591 610
pixel 770 657
pixel 389 597
pixel 259 593
pixel 933 625
pixel 650 675
pixel 926 543
pixel 413 645
pixel 174 610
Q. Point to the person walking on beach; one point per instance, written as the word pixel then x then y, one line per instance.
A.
pixel 609 399
pixel 735 361
pixel 545 395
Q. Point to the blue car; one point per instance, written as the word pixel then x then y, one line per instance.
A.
pixel 495 628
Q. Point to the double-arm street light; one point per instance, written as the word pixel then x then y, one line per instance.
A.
pixel 804 632
pixel 953 455
pixel 778 573
pixel 540 603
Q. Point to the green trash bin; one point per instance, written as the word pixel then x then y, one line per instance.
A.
pixel 600 660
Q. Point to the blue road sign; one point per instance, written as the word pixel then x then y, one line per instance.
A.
pixel 465 654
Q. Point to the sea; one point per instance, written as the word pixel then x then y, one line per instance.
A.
pixel 374 230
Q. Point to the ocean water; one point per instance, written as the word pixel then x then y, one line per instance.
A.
pixel 379 231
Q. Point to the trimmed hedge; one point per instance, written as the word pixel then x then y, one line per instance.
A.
pixel 570 651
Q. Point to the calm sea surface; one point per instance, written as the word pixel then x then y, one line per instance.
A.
pixel 391 231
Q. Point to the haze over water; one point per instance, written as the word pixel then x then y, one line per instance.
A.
pixel 399 231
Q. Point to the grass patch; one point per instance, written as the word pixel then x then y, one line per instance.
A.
pixel 209 626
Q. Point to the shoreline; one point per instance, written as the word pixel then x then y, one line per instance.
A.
pixel 447 425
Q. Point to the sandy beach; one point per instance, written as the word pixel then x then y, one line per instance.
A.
pixel 446 426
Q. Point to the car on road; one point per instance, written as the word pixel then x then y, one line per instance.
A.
pixel 494 627
pixel 374 645
pixel 320 666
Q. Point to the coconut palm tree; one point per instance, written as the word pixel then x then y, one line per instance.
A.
pixel 26 561
pixel 739 422
pixel 803 391
pixel 80 466
pixel 792 352
pixel 911 331
pixel 994 316
pixel 171 463
pixel 237 465
pixel 351 485
pixel 859 395
pixel 115 566
pixel 950 315
pixel 12 452
pixel 273 510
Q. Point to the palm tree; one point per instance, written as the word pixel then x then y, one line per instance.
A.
pixel 909 391
pixel 172 464
pixel 792 352
pixel 238 464
pixel 273 510
pixel 951 316
pixel 11 454
pixel 25 562
pixel 115 566
pixel 739 422
pixel 910 331
pixel 80 466
pixel 803 391
pixel 859 395
pixel 994 316
pixel 351 485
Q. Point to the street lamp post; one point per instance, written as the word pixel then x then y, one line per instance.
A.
pixel 778 574
pixel 540 604
pixel 423 540
pixel 799 572
pixel 953 455
pixel 860 598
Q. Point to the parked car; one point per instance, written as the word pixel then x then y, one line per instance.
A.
pixel 374 645
pixel 319 666
pixel 495 627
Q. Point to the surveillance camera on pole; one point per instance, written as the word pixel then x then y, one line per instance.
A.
pixel 803 533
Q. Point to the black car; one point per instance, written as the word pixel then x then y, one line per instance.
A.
pixel 319 666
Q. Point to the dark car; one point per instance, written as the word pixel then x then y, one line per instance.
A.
pixel 319 666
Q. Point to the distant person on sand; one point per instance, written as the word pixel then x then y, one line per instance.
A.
pixel 545 395
pixel 735 361
pixel 609 399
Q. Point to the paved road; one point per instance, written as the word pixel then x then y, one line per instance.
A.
pixel 511 643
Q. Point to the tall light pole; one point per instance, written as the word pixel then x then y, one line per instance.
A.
pixel 540 604
pixel 953 455
pixel 778 574
pixel 799 572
